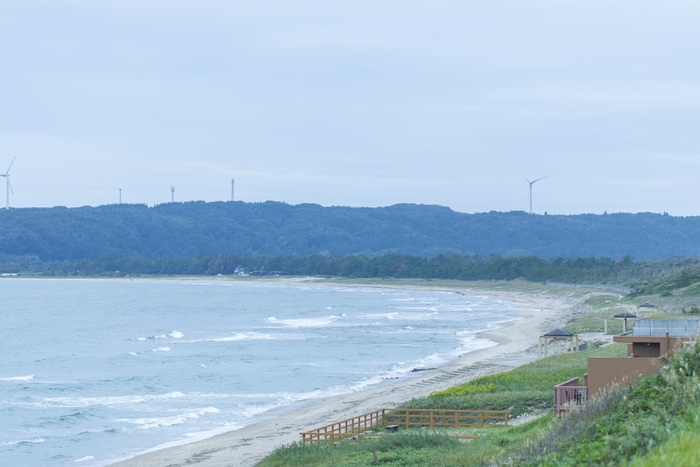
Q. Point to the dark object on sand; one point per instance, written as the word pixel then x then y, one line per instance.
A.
pixel 422 369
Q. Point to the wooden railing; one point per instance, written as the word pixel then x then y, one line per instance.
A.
pixel 363 426
pixel 569 393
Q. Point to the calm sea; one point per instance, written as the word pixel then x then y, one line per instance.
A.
pixel 96 371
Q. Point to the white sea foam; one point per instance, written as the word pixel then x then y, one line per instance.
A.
pixel 140 338
pixel 77 402
pixel 409 316
pixel 26 441
pixel 161 349
pixel 157 422
pixel 240 336
pixel 184 439
pixel 133 353
pixel 304 322
pixel 416 308
pixel 382 315
pixel 83 459
pixel 176 334
pixel 243 336
pixel 18 378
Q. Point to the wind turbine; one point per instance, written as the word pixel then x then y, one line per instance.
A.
pixel 7 183
pixel 532 183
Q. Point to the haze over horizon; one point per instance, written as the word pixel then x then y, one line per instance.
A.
pixel 354 103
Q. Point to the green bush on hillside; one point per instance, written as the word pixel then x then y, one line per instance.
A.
pixel 622 424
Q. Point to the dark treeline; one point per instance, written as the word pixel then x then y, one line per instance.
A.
pixel 186 230
pixel 457 267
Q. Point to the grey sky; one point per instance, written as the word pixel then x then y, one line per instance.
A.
pixel 361 103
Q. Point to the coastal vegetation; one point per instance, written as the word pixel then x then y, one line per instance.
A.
pixel 186 230
pixel 653 421
pixel 454 267
pixel 522 390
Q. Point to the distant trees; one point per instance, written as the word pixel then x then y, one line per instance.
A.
pixel 457 267
pixel 187 230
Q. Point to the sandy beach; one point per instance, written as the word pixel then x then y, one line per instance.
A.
pixel 516 339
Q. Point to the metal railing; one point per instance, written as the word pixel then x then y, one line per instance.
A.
pixel 569 393
pixel 360 427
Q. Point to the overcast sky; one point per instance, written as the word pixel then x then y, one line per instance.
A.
pixel 357 103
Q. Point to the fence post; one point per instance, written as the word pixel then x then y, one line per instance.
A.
pixel 456 419
pixel 432 419
pixel 383 417
pixel 481 419
pixel 506 418
pixel 407 419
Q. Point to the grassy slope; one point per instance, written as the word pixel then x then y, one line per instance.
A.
pixel 521 390
pixel 624 425
pixel 655 421
pixel 679 451
pixel 408 450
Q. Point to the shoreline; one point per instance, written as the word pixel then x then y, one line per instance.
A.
pixel 246 446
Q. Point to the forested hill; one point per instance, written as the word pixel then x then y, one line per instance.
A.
pixel 273 228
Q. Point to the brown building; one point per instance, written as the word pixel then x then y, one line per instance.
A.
pixel 649 344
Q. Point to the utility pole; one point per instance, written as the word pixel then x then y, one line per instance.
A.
pixel 120 196
pixel 172 194
pixel 232 183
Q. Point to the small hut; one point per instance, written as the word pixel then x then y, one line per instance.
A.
pixel 557 334
pixel 646 306
pixel 624 317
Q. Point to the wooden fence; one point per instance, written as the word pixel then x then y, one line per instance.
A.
pixel 364 426
pixel 570 393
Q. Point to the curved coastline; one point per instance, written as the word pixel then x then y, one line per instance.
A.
pixel 246 446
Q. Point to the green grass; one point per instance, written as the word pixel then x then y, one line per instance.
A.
pixel 655 419
pixel 409 449
pixel 679 451
pixel 521 390
pixel 595 322
pixel 654 422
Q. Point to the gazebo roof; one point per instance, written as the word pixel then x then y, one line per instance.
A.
pixel 646 305
pixel 625 315
pixel 559 333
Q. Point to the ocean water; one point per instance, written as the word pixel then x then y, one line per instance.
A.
pixel 97 371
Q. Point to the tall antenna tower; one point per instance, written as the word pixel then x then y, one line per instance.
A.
pixel 120 196
pixel 172 194
pixel 232 183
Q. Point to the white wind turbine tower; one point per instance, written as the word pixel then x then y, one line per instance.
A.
pixel 7 183
pixel 532 183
